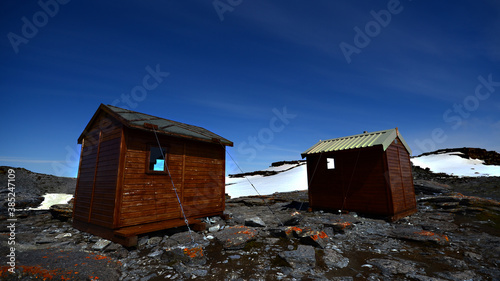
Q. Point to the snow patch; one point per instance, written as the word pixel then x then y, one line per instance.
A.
pixel 53 199
pixel 452 164
pixel 293 179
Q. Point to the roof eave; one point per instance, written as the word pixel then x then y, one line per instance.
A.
pixel 385 142
pixel 405 144
pixel 213 140
pixel 127 124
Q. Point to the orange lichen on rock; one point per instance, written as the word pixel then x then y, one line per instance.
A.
pixel 435 236
pixel 41 273
pixel 99 257
pixel 245 230
pixel 459 195
pixel 249 232
pixel 344 224
pixel 193 252
pixel 292 229
pixel 320 235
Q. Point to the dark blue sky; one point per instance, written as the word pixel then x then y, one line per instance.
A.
pixel 272 76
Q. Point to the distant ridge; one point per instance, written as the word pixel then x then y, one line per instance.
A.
pixel 31 186
pixel 489 157
pixel 266 173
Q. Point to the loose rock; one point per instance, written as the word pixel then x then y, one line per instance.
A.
pixel 314 238
pixel 101 244
pixel 334 259
pixel 235 237
pixel 420 235
pixel 255 221
pixel 61 211
pixel 304 258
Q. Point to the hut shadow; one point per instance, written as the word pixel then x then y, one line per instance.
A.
pixel 299 206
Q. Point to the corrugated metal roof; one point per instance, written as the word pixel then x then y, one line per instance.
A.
pixel 384 138
pixel 137 120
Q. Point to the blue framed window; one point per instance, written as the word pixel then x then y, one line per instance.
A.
pixel 156 159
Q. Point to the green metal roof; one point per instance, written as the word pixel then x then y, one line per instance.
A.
pixel 138 120
pixel 383 138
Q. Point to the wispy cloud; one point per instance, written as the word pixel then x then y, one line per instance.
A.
pixel 24 160
pixel 241 109
pixel 496 125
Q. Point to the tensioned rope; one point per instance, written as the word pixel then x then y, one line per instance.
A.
pixel 263 200
pixel 173 187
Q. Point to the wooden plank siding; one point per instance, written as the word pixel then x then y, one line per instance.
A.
pixel 357 183
pixel 197 171
pixel 96 184
pixel 401 179
pixel 204 179
pixel 149 197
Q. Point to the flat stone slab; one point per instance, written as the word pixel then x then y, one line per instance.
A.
pixel 101 244
pixel 303 258
pixel 191 253
pixel 334 259
pixel 419 235
pixel 339 226
pixel 255 221
pixel 235 237
pixel 391 267
pixel 182 239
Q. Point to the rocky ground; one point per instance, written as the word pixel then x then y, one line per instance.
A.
pixel 452 237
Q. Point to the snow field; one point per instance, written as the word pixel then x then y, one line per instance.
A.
pixel 53 199
pixel 452 164
pixel 291 180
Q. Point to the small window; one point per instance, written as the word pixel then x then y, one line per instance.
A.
pixel 396 141
pixel 330 163
pixel 157 157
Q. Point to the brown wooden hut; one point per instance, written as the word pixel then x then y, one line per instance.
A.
pixel 123 186
pixel 368 173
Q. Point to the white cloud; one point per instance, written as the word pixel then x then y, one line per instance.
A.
pixel 24 160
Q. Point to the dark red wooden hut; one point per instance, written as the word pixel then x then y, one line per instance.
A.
pixel 129 165
pixel 368 173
